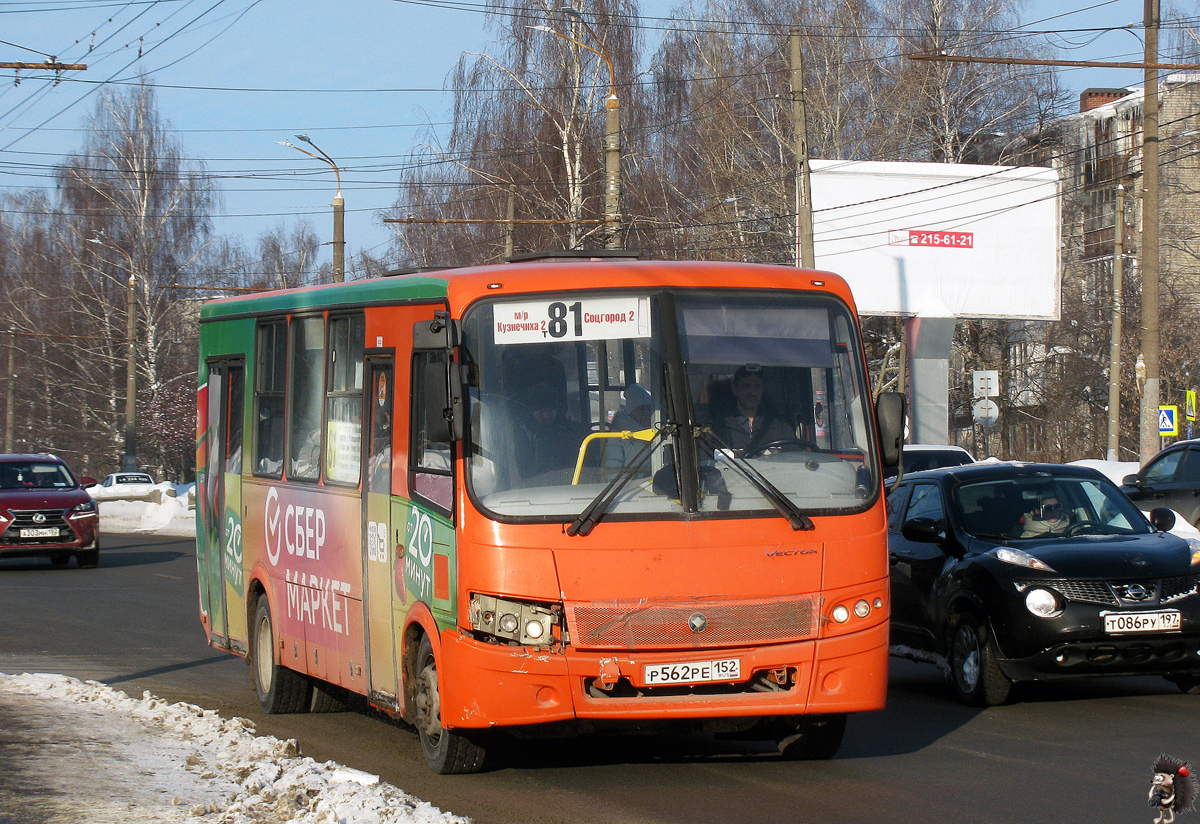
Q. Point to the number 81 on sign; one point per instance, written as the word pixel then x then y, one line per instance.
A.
pixel 546 321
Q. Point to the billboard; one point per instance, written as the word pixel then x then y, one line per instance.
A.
pixel 940 239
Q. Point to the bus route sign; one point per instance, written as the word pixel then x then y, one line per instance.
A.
pixel 547 321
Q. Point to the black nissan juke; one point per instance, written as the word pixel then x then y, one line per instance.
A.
pixel 1011 572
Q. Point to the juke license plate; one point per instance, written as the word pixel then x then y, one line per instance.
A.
pixel 39 533
pixel 692 672
pixel 1123 622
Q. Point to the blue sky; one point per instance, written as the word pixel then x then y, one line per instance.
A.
pixel 362 78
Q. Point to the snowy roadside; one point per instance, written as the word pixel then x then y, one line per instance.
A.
pixel 171 517
pixel 81 751
pixel 145 760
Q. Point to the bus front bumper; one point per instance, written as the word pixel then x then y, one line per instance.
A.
pixel 485 685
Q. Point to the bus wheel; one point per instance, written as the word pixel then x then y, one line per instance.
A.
pixel 814 737
pixel 446 752
pixel 279 688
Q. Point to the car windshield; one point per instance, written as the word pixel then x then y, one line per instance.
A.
pixel 1045 506
pixel 35 475
pixel 566 391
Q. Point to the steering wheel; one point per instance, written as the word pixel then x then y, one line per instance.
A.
pixel 789 444
pixel 1081 526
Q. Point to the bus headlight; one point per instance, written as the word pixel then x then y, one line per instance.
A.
pixel 517 622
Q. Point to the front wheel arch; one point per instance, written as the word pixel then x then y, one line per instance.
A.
pixel 972 668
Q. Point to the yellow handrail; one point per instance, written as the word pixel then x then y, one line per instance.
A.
pixel 624 435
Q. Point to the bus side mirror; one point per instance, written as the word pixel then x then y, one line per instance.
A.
pixel 442 332
pixel 890 408
pixel 441 381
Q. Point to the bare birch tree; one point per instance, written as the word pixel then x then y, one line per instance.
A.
pixel 528 124
pixel 135 222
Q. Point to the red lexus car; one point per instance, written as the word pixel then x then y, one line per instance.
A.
pixel 46 512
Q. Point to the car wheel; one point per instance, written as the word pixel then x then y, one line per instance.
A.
pixel 279 689
pixel 446 752
pixel 974 674
pixel 89 558
pixel 815 737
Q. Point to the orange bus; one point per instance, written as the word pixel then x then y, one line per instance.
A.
pixel 550 492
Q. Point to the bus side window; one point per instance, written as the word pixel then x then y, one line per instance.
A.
pixel 271 358
pixel 430 455
pixel 306 385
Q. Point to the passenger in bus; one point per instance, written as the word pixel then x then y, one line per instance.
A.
pixel 634 416
pixel 752 425
pixel 553 437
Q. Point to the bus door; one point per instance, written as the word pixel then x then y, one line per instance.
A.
pixel 379 544
pixel 221 551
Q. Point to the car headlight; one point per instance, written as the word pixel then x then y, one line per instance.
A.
pixel 1043 603
pixel 1018 558
pixel 1194 546
pixel 516 621
pixel 86 506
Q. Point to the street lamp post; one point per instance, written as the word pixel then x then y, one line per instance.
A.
pixel 339 206
pixel 612 132
pixel 130 459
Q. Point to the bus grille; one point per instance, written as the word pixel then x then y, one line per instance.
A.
pixel 631 625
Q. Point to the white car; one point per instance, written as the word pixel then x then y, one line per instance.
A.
pixel 128 486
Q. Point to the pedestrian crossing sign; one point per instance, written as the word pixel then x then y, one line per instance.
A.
pixel 1168 421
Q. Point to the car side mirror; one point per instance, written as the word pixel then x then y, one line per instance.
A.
pixel 86 482
pixel 1132 480
pixel 1162 518
pixel 922 531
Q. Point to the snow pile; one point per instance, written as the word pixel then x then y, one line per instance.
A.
pixel 190 765
pixel 171 512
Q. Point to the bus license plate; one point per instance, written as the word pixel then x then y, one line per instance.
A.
pixel 692 672
pixel 1165 621
pixel 39 533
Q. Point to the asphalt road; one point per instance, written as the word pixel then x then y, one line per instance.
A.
pixel 1072 751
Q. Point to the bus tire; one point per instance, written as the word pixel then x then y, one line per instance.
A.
pixel 327 698
pixel 814 737
pixel 446 752
pixel 279 689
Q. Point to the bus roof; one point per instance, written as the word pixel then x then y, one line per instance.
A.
pixel 459 287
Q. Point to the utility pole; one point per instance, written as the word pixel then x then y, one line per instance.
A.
pixel 339 206
pixel 129 462
pixel 804 219
pixel 612 129
pixel 1150 442
pixel 9 412
pixel 131 375
pixel 510 216
pixel 1114 347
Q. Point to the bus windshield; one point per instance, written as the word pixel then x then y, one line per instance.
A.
pixel 567 392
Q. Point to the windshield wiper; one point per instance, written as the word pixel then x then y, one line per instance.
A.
pixel 782 503
pixel 586 520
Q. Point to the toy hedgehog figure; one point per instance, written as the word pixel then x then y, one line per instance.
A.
pixel 1173 788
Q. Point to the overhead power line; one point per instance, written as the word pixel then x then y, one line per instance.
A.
pixel 1028 61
